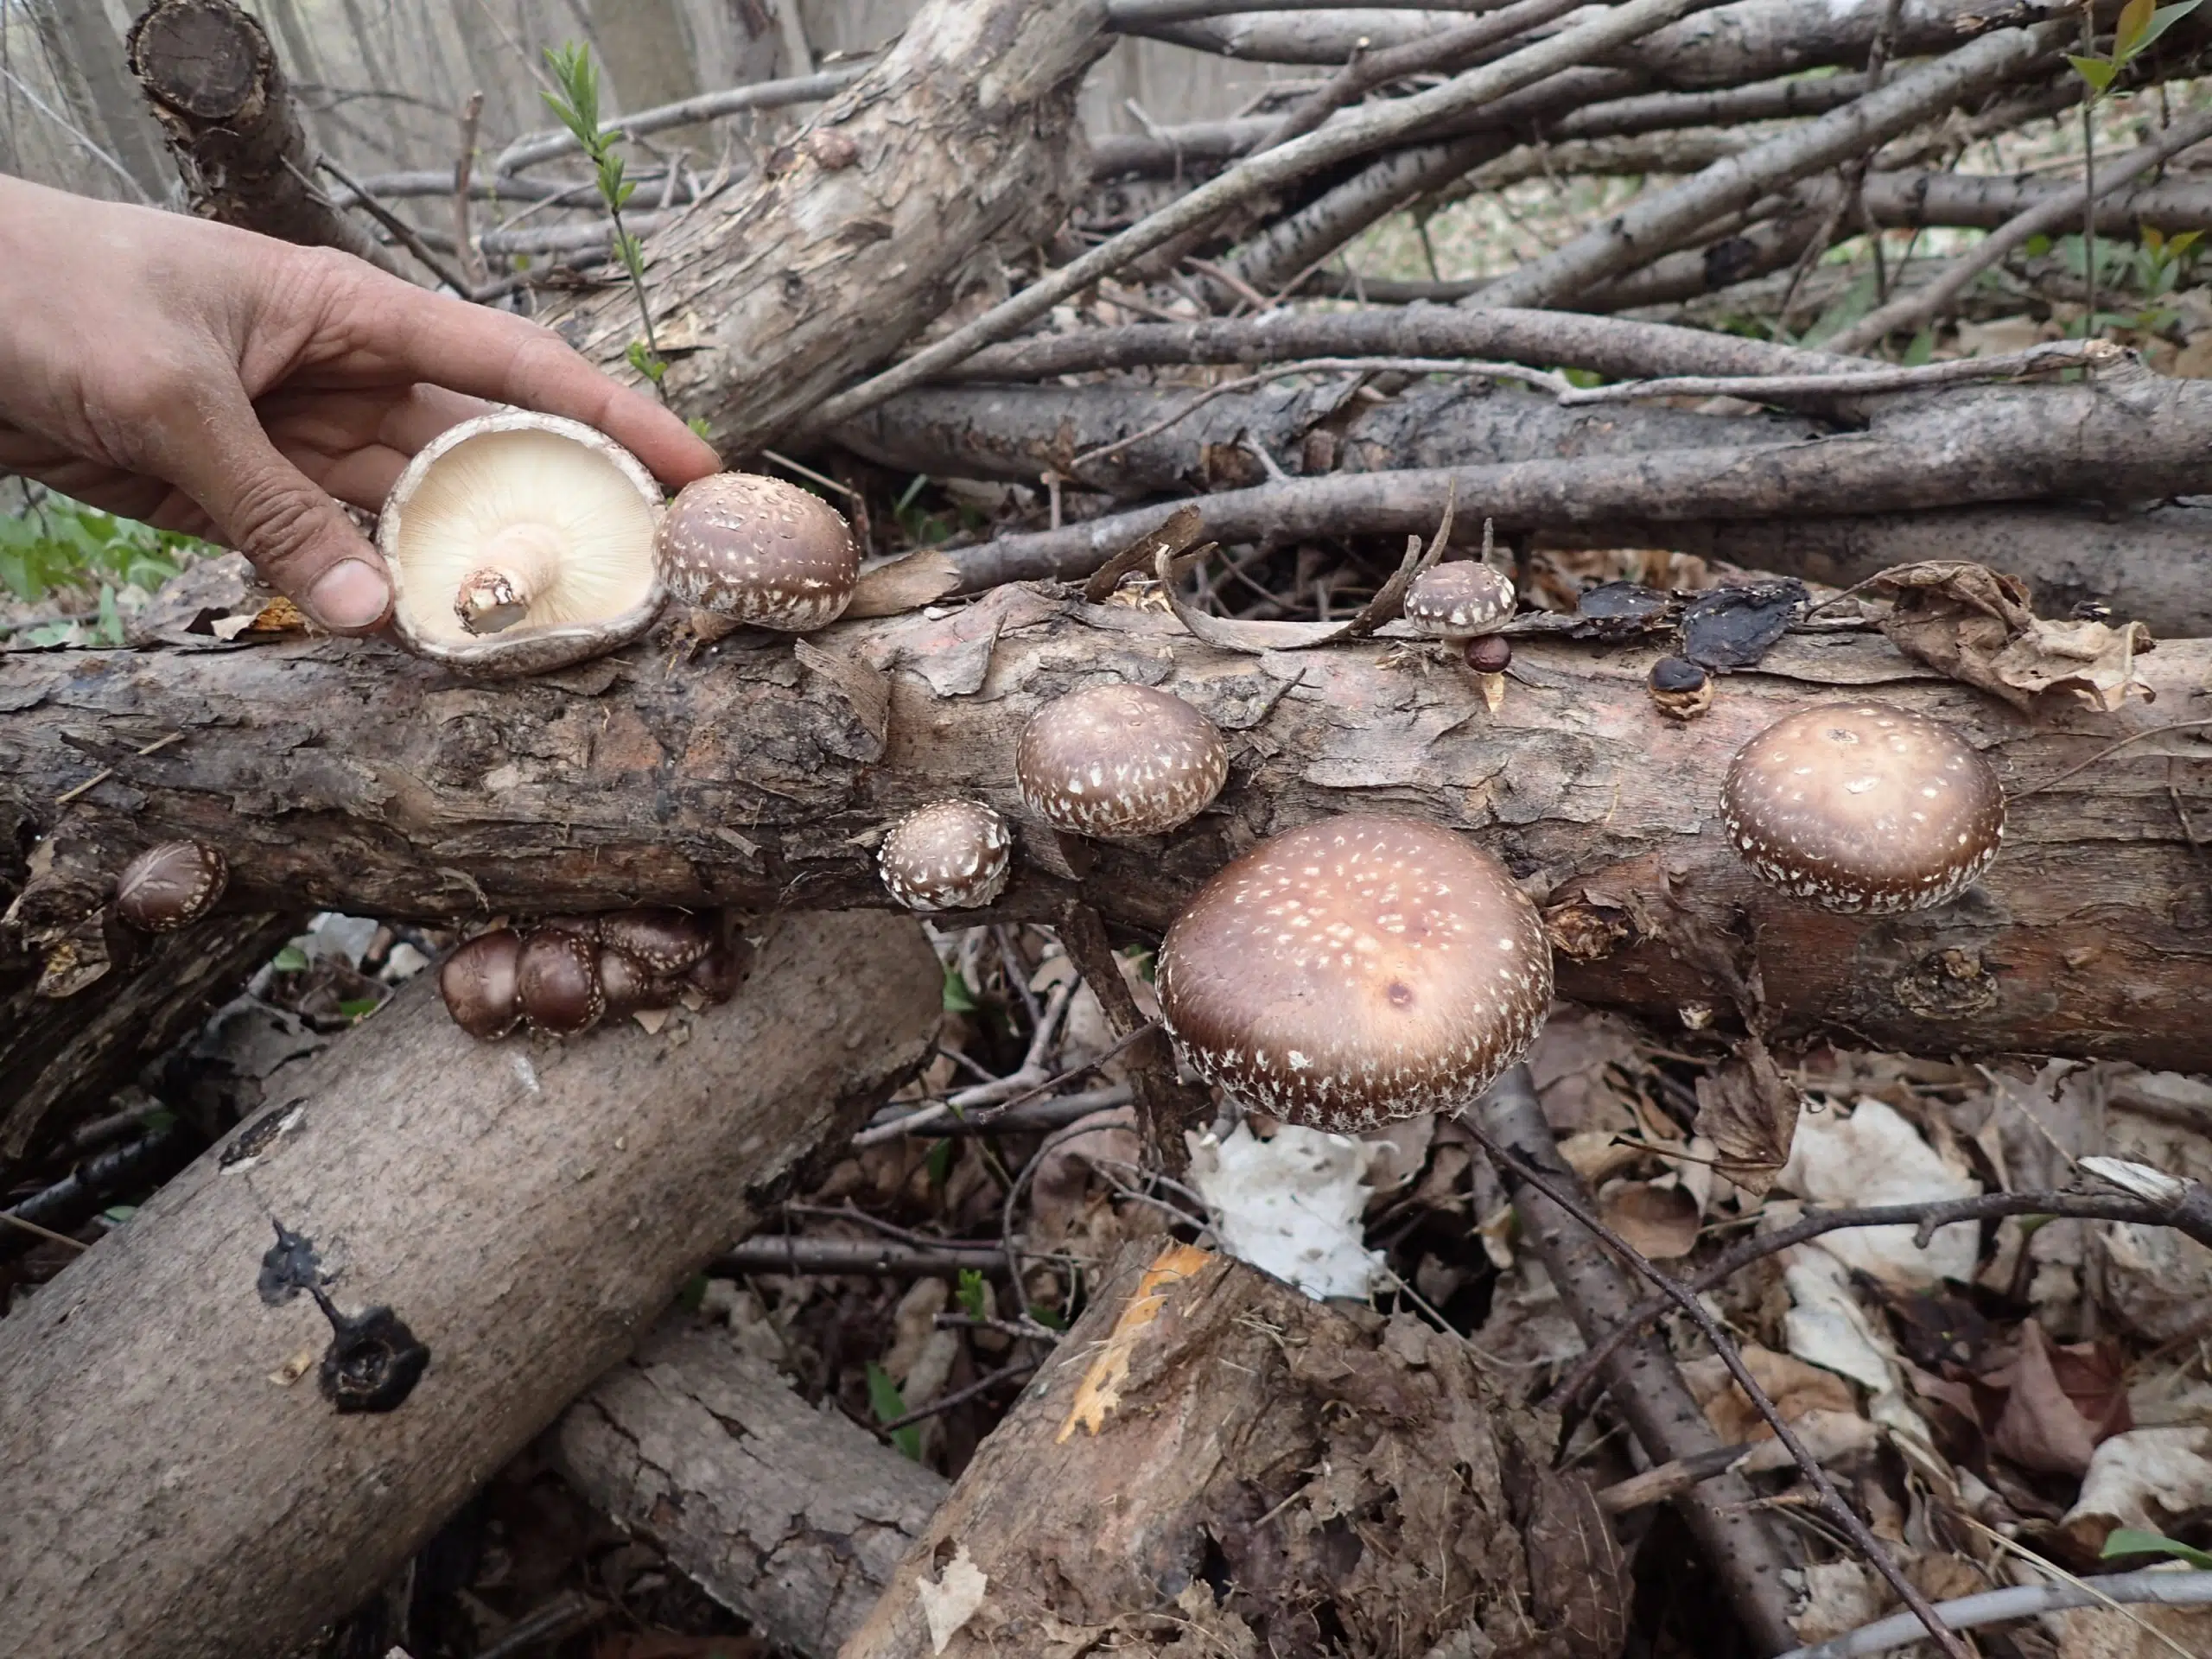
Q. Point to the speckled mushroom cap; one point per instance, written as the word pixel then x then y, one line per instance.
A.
pixel 1119 760
pixel 1459 599
pixel 1860 807
pixel 171 885
pixel 1357 971
pixel 760 551
pixel 519 543
pixel 948 856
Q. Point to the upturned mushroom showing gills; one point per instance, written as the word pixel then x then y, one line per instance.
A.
pixel 170 885
pixel 948 856
pixel 1860 807
pixel 1359 969
pixel 1459 601
pixel 519 543
pixel 1115 761
pixel 757 551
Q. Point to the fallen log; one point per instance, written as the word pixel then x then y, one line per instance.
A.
pixel 1212 1455
pixel 786 1514
pixel 345 774
pixel 520 1209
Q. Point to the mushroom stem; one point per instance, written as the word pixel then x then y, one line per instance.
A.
pixel 519 564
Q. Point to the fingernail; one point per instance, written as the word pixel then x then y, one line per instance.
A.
pixel 350 594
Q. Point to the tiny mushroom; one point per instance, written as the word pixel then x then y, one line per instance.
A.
pixel 948 856
pixel 479 985
pixel 1358 969
pixel 1680 688
pixel 1861 807
pixel 170 885
pixel 1459 601
pixel 1119 760
pixel 556 977
pixel 757 551
pixel 519 543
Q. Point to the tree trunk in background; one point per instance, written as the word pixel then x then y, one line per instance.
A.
pixel 84 51
pixel 648 55
pixel 339 773
pixel 524 1208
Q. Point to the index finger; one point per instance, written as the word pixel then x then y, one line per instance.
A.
pixel 472 348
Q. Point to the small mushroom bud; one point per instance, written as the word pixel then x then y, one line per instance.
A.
pixel 948 856
pixel 1489 653
pixel 170 885
pixel 477 984
pixel 1459 601
pixel 556 976
pixel 627 986
pixel 1119 760
pixel 1860 807
pixel 660 938
pixel 759 551
pixel 1681 687
pixel 717 974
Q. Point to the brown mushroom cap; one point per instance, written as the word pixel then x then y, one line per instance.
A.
pixel 717 974
pixel 1117 760
pixel 758 550
pixel 170 885
pixel 628 985
pixel 556 977
pixel 1860 807
pixel 1680 688
pixel 479 986
pixel 1358 969
pixel 660 938
pixel 1459 599
pixel 948 856
pixel 517 543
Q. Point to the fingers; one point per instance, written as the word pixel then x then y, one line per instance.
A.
pixel 487 354
pixel 260 504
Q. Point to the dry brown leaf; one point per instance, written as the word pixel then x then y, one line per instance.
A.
pixel 1975 624
pixel 1795 1387
pixel 1748 1109
pixel 1660 1220
pixel 2059 1402
pixel 903 584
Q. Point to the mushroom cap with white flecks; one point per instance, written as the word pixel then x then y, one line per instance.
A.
pixel 758 550
pixel 171 885
pixel 1459 599
pixel 1117 760
pixel 1359 969
pixel 948 856
pixel 1861 807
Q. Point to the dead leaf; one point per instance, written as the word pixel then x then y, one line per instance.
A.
pixel 1579 1583
pixel 951 1600
pixel 1840 1596
pixel 903 584
pixel 1100 1391
pixel 1795 1387
pixel 2139 1633
pixel 1976 625
pixel 1749 1111
pixel 1660 1220
pixel 2059 1401
pixel 2154 1478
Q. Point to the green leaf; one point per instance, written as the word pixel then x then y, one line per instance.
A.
pixel 2036 246
pixel 957 1000
pixel 355 1008
pixel 2177 247
pixel 2161 20
pixel 109 627
pixel 693 1293
pixel 2135 1541
pixel 119 1213
pixel 938 1164
pixel 291 960
pixel 2098 73
pixel 1923 348
pixel 645 362
pixel 889 1406
pixel 907 496
pixel 698 425
pixel 1049 1318
pixel 971 1294
pixel 2128 33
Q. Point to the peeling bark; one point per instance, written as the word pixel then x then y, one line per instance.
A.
pixel 341 773
pixel 522 1208
pixel 786 1514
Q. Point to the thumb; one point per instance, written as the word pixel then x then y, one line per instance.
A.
pixel 298 538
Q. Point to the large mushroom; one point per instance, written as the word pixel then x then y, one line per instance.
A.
pixel 1359 969
pixel 1862 807
pixel 947 855
pixel 519 543
pixel 757 551
pixel 1117 760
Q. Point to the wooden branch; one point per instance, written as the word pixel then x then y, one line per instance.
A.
pixel 520 1208
pixel 341 773
pixel 226 111
pixel 534 147
pixel 1182 1464
pixel 787 1514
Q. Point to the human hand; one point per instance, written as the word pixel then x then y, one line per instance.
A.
pixel 207 379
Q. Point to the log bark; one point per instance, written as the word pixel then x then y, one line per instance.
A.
pixel 857 235
pixel 521 1208
pixel 788 1514
pixel 226 111
pixel 343 774
pixel 1213 1462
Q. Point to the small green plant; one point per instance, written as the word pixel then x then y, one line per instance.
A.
pixel 56 545
pixel 938 1164
pixel 574 104
pixel 924 528
pixel 971 1294
pixel 889 1406
pixel 956 997
pixel 2135 1540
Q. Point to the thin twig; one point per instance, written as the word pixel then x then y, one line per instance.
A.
pixel 961 1396
pixel 1831 1503
pixel 399 227
pixel 2110 749
pixel 47 1233
pixel 2042 359
pixel 2154 1586
pixel 473 269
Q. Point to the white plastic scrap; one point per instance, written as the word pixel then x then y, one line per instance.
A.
pixel 1290 1205
pixel 1875 1157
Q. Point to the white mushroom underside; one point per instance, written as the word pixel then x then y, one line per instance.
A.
pixel 494 482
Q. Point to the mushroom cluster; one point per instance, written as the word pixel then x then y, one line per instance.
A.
pixel 566 973
pixel 1356 970
pixel 1117 761
pixel 1860 807
pixel 171 885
